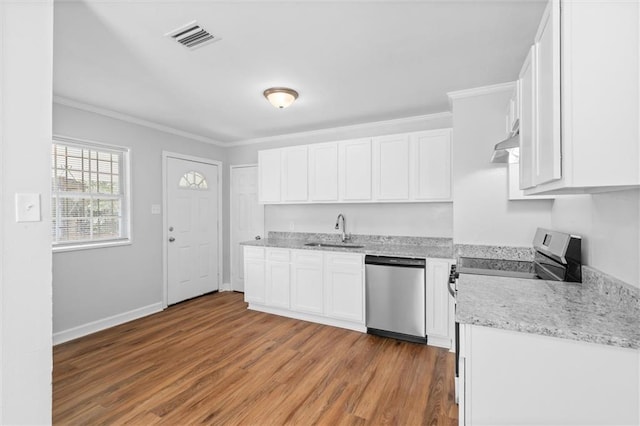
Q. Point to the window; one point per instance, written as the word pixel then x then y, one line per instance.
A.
pixel 90 199
pixel 193 180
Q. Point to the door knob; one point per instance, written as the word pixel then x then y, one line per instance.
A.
pixel 171 239
pixel 258 237
pixel 171 228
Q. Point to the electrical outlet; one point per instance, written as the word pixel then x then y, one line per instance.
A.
pixel 292 226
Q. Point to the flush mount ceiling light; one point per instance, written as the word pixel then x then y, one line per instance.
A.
pixel 280 97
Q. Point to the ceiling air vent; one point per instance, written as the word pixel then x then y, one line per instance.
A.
pixel 192 36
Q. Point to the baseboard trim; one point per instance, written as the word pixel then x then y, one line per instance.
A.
pixel 101 324
pixel 309 317
pixel 441 342
pixel 225 287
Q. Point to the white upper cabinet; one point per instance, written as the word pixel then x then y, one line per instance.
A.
pixel 586 117
pixel 547 51
pixel 323 172
pixel 355 170
pixel 408 167
pixel 295 173
pixel 269 171
pixel 526 88
pixel 430 167
pixel 391 167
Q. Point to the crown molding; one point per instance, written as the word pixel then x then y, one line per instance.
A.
pixel 60 100
pixel 331 130
pixel 479 91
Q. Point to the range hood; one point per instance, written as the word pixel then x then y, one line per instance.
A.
pixel 507 150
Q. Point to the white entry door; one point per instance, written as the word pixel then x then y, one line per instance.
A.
pixel 192 219
pixel 247 218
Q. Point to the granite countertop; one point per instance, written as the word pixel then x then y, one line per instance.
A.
pixel 572 311
pixel 374 245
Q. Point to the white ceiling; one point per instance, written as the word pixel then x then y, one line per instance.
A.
pixel 352 62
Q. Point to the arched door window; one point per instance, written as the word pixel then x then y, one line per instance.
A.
pixel 193 180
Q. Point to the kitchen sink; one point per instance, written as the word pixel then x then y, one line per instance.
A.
pixel 352 246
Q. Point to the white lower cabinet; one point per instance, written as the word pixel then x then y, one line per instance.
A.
pixel 254 275
pixel 344 286
pixel 307 294
pixel 318 286
pixel 329 288
pixel 439 312
pixel 509 377
pixel 278 276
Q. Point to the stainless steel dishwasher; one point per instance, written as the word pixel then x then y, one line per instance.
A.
pixel 395 297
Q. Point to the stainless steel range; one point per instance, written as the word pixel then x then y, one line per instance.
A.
pixel 557 258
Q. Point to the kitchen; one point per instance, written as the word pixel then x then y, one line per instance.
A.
pixel 479 213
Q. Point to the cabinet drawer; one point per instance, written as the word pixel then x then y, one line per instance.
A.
pixel 253 252
pixel 307 257
pixel 278 255
pixel 345 260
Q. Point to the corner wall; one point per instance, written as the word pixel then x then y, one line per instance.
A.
pixel 98 284
pixel 26 52
pixel 482 213
pixel 609 226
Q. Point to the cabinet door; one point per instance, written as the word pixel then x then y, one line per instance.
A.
pixel 547 75
pixel 437 294
pixel 269 170
pixel 323 172
pixel 391 167
pixel 294 173
pixel 431 165
pixel 307 282
pixel 277 288
pixel 254 281
pixel 344 287
pixel 527 121
pixel 355 170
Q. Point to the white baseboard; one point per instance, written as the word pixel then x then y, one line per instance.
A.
pixel 225 287
pixel 94 326
pixel 309 317
pixel 441 342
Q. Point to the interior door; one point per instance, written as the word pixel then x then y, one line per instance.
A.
pixel 247 218
pixel 192 218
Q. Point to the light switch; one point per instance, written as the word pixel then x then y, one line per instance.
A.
pixel 155 209
pixel 28 208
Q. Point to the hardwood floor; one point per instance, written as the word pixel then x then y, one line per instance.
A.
pixel 212 361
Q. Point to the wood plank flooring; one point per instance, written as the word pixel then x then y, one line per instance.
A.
pixel 212 361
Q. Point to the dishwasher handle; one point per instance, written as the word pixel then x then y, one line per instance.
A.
pixel 403 262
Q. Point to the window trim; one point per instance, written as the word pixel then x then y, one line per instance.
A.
pixel 126 199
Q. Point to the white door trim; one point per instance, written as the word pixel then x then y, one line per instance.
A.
pixel 231 257
pixel 165 223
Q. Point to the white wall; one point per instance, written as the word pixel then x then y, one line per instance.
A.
pixel 91 285
pixel 609 225
pixel 482 213
pixel 419 219
pixel 416 220
pixel 26 33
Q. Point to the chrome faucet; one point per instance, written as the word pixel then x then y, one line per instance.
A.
pixel 345 237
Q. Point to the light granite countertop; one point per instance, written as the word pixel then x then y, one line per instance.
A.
pixel 414 247
pixel 572 311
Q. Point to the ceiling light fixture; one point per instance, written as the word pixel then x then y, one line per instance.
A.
pixel 280 97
